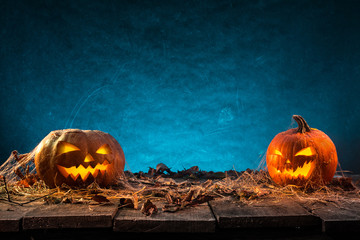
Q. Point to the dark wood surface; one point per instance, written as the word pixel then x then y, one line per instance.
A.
pixel 335 217
pixel 338 215
pixel 262 214
pixel 217 215
pixel 69 216
pixel 194 219
pixel 11 216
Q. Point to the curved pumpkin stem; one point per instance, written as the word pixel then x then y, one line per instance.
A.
pixel 303 126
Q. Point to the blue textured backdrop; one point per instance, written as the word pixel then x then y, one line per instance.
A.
pixel 205 83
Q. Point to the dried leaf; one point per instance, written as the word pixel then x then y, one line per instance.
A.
pixel 189 196
pixel 344 183
pixel 202 199
pixel 151 171
pixel 194 169
pixel 28 181
pixel 19 173
pixel 100 199
pixel 161 168
pixel 126 203
pixel 148 208
pixel 23 183
pixel 171 208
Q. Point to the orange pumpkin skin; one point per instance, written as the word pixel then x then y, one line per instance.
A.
pixel 301 156
pixel 78 158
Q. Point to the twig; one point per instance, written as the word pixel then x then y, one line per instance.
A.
pixel 19 173
pixel 141 182
pixel 6 189
pixel 30 201
pixel 35 199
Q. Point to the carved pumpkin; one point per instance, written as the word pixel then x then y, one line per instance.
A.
pixel 78 158
pixel 301 156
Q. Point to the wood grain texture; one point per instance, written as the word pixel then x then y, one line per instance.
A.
pixel 339 217
pixel 70 216
pixel 194 219
pixel 11 216
pixel 263 214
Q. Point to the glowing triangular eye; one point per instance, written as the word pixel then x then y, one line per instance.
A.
pixel 277 152
pixel 65 147
pixel 309 151
pixel 104 149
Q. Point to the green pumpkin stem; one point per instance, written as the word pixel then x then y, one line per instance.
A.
pixel 303 126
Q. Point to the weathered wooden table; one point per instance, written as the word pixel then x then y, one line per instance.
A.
pixel 272 217
pixel 220 216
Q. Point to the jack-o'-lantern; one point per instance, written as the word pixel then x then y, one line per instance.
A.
pixel 301 156
pixel 78 158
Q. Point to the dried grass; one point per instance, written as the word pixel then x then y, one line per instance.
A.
pixel 184 188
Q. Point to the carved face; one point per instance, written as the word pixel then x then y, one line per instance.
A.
pixel 298 166
pixel 78 158
pixel 301 155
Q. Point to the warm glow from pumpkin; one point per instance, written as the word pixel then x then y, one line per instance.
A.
pixel 104 149
pixel 300 171
pixel 65 147
pixel 307 156
pixel 277 152
pixel 309 151
pixel 74 172
pixel 89 158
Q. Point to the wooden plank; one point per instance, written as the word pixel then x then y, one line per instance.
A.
pixel 70 216
pixel 339 216
pixel 11 216
pixel 262 214
pixel 193 219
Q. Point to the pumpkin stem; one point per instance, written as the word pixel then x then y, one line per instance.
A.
pixel 303 126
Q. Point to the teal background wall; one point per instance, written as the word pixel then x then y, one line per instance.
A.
pixel 205 83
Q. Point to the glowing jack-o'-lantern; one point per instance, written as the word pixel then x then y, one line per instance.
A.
pixel 301 156
pixel 78 158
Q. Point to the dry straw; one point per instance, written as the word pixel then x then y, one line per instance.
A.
pixel 178 190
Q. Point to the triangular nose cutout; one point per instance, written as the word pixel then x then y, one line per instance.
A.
pixel 89 158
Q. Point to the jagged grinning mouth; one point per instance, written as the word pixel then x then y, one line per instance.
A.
pixel 74 172
pixel 300 171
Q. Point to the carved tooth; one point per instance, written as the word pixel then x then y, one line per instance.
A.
pixel 74 172
pixel 74 177
pixel 95 173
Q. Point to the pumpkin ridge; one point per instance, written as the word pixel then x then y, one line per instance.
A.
pixel 104 168
pixel 289 160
